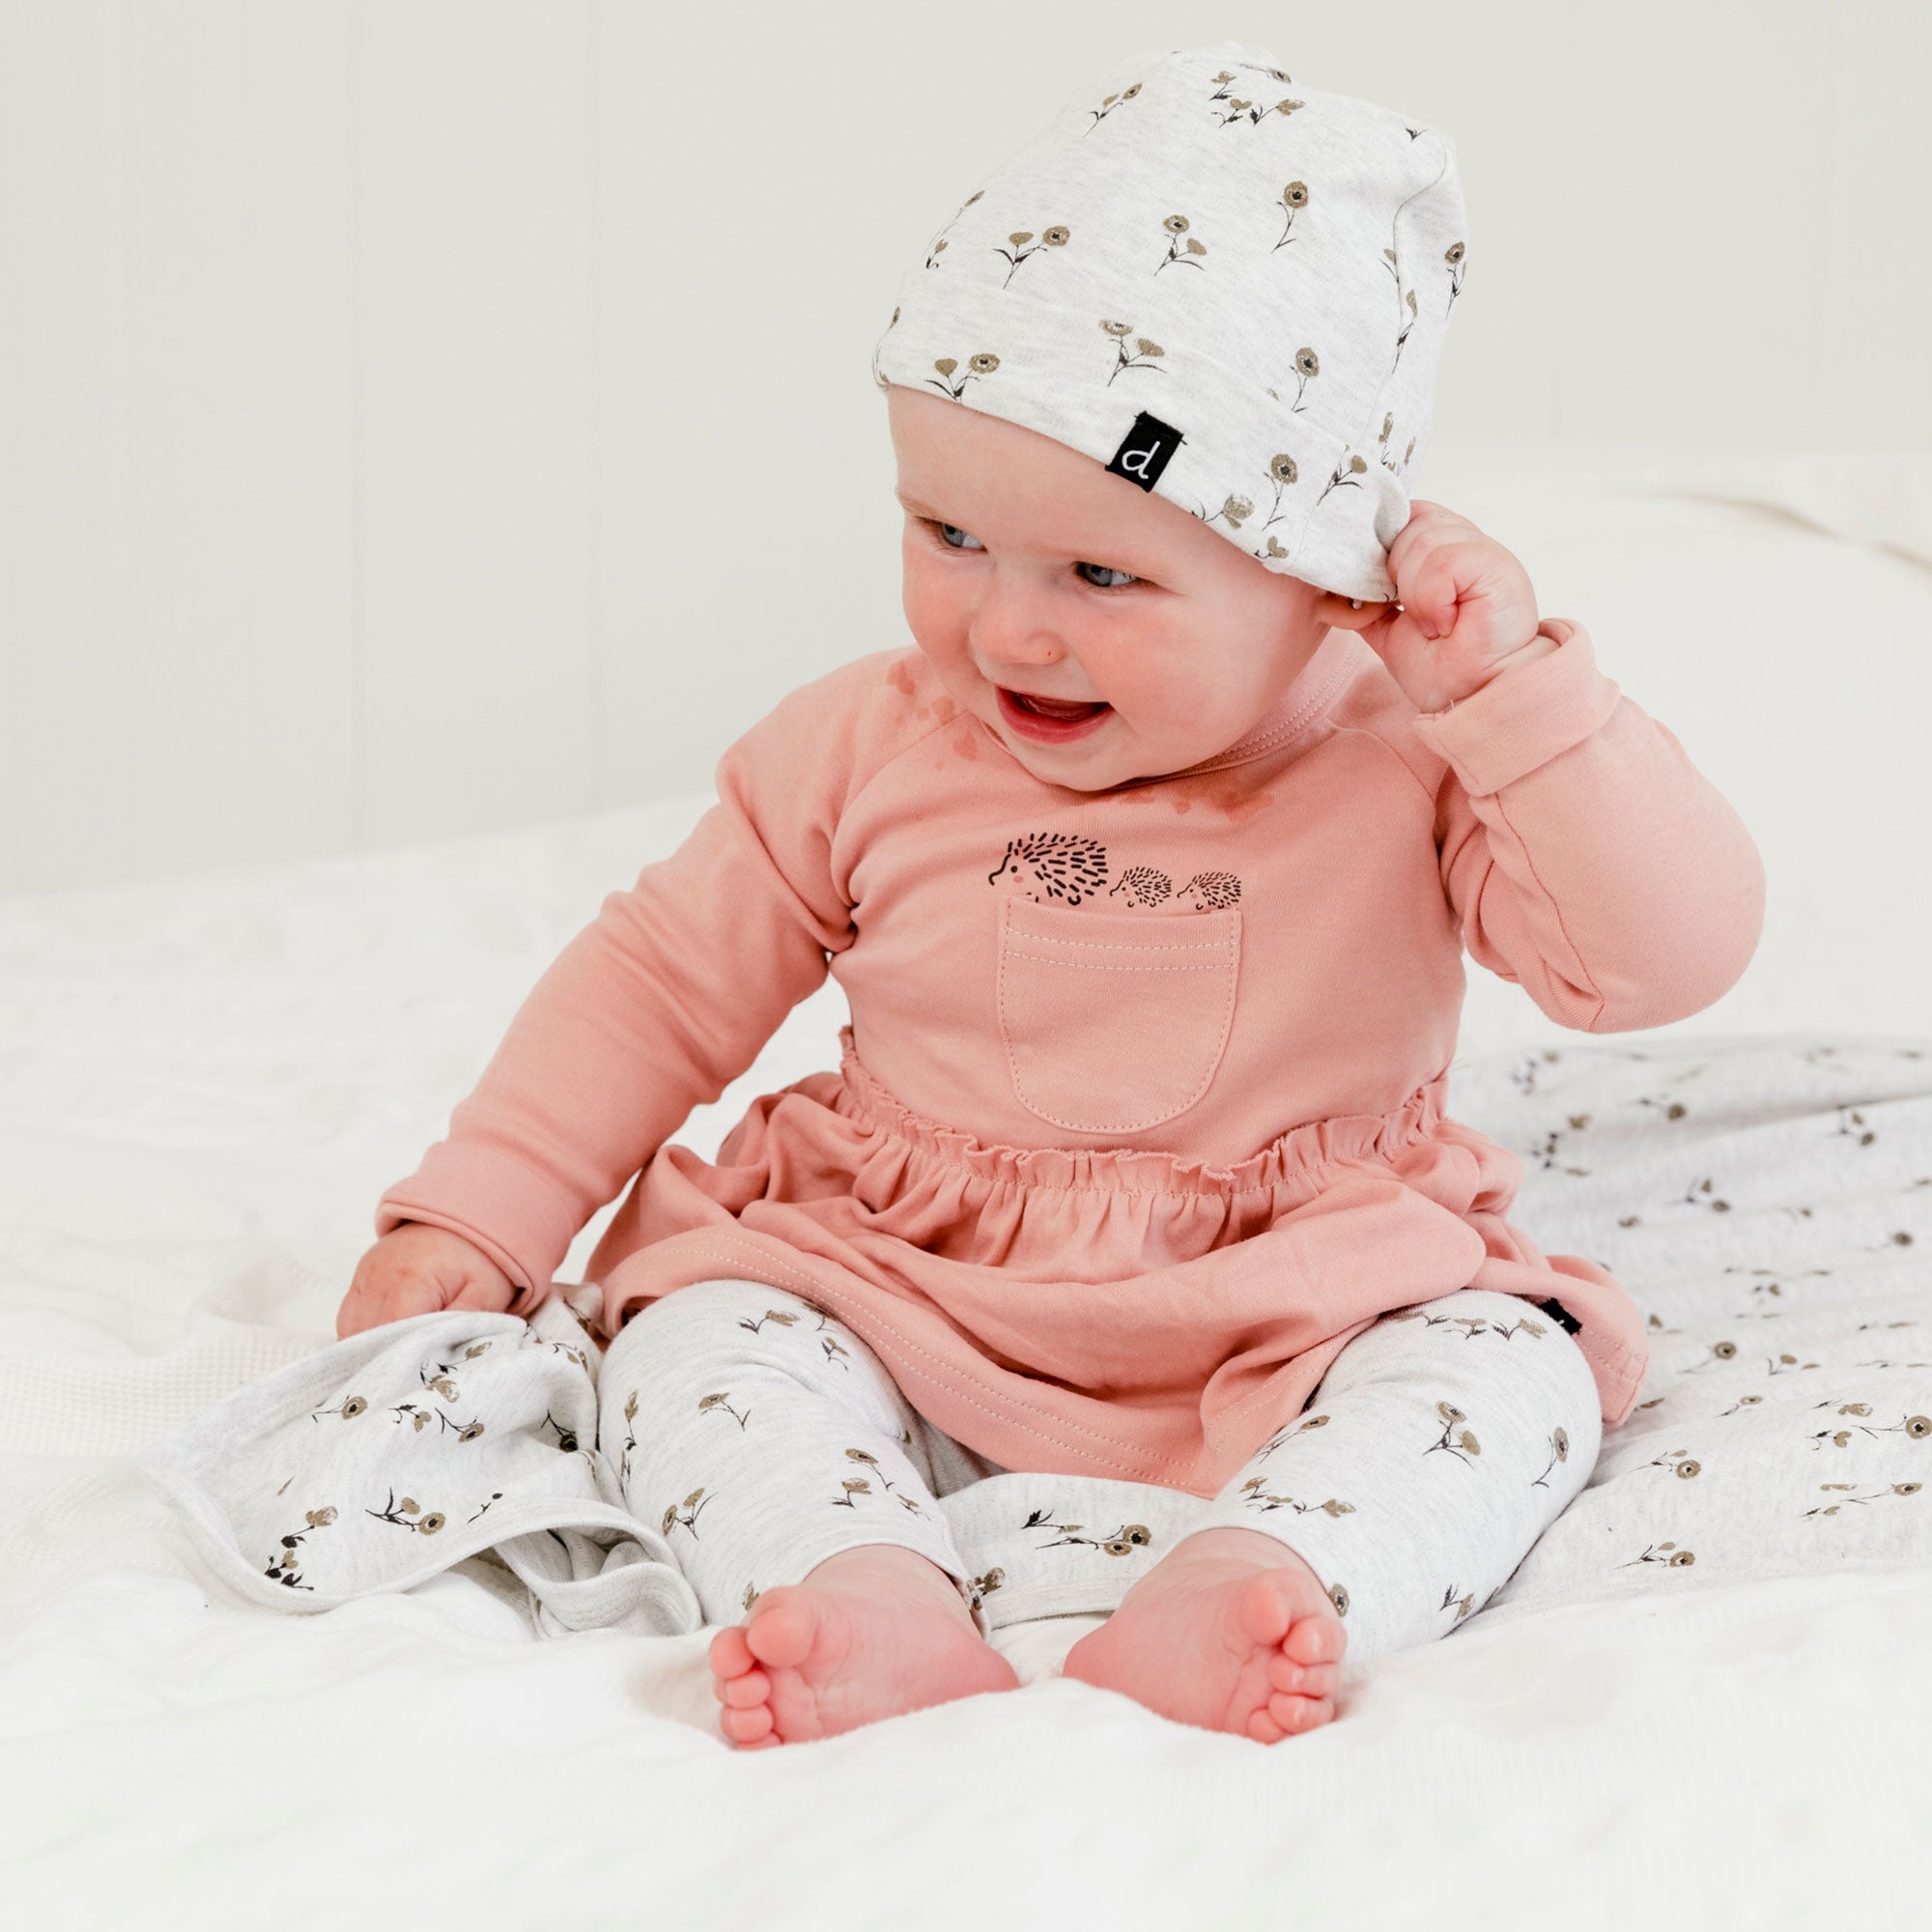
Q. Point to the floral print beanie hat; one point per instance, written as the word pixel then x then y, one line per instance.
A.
pixel 1221 286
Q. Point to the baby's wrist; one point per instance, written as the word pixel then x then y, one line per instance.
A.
pixel 1538 644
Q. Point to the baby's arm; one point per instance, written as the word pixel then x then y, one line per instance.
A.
pixel 654 1008
pixel 1586 857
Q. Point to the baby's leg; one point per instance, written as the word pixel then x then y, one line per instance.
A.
pixel 1444 1440
pixel 792 1479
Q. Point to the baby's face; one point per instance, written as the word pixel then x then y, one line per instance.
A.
pixel 1029 568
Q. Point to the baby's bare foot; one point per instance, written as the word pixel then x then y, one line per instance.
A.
pixel 870 1633
pixel 1230 1631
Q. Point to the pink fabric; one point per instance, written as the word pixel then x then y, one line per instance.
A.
pixel 1108 1173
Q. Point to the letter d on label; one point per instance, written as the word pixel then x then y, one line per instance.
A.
pixel 1144 450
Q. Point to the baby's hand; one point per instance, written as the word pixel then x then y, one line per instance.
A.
pixel 417 1269
pixel 1463 608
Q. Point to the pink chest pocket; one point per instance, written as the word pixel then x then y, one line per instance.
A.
pixel 1113 1022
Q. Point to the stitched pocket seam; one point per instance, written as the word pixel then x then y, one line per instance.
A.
pixel 1013 945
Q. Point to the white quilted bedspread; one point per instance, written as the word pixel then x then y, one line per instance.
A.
pixel 1702 1700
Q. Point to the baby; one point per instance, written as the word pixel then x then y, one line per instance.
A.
pixel 1147 875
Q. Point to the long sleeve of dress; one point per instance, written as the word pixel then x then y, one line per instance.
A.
pixel 655 1006
pixel 1585 857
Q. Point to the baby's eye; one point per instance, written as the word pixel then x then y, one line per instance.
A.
pixel 944 533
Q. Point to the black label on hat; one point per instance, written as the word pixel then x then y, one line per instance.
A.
pixel 1145 449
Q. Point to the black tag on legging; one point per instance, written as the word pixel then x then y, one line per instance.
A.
pixel 1556 1311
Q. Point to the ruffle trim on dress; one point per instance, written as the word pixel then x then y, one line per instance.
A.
pixel 1287 1163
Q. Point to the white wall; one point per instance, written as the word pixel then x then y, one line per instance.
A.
pixel 421 416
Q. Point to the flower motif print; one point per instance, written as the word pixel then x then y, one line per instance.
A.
pixel 1405 299
pixel 1143 349
pixel 1466 1444
pixel 1124 1541
pixel 286 1569
pixel 982 364
pixel 398 1512
pixel 1345 476
pixel 693 1504
pixel 856 1487
pixel 783 1316
pixel 1294 198
pixel 1453 256
pixel 630 1442
pixel 1281 1435
pixel 938 247
pixel 1680 1559
pixel 1255 1491
pixel 878 376
pixel 1054 237
pixel 1108 105
pixel 1307 365
pixel 1177 226
pixel 1283 474
pixel 1394 469
pixel 1891 1490
pixel 979 1588
pixel 1247 110
pixel 1559 1452
pixel 829 1344
pixel 1467 1327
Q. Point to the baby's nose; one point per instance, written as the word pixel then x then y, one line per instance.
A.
pixel 1017 648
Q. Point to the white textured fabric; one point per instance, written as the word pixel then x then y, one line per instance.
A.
pixel 1222 285
pixel 380 1462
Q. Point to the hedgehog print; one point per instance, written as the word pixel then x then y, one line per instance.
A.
pixel 1066 866
pixel 1149 885
pixel 1144 886
pixel 1210 891
pixel 1055 865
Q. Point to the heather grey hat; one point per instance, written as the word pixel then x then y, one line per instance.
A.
pixel 1219 285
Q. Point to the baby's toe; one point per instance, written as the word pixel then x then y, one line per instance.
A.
pixel 1316 1639
pixel 1309 1680
pixel 729 1653
pixel 783 1626
pixel 1299 1714
pixel 752 1687
pixel 746 1726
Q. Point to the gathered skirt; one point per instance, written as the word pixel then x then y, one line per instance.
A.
pixel 1120 1312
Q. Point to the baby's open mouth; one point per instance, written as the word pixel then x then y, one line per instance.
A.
pixel 1066 710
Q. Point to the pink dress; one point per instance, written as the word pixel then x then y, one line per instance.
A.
pixel 1141 1115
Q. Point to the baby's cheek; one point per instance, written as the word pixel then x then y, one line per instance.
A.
pixel 1177 707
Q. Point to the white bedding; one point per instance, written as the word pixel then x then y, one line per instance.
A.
pixel 204 1085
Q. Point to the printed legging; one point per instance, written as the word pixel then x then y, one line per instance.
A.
pixel 762 1434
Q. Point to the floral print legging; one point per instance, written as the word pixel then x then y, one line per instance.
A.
pixel 761 1434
